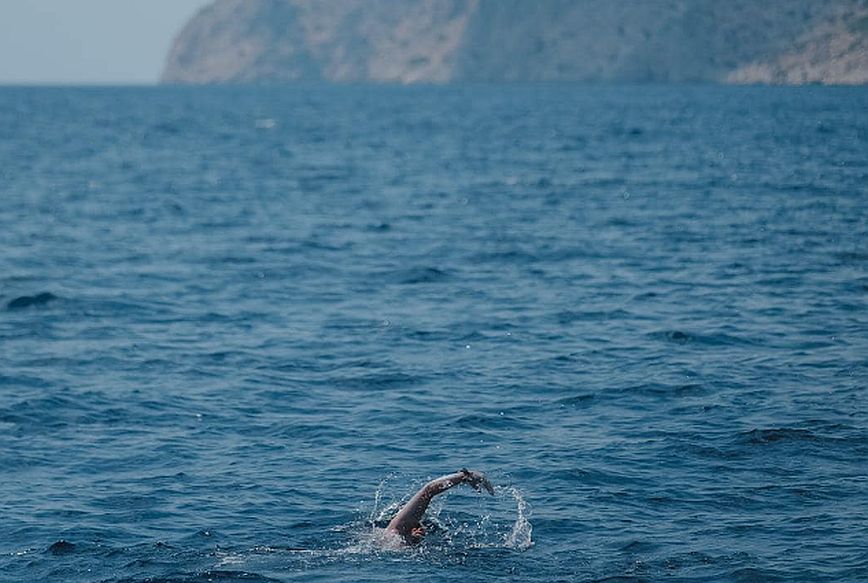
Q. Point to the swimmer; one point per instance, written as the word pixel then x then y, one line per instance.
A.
pixel 407 527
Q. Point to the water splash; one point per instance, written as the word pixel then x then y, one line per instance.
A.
pixel 382 512
pixel 378 497
pixel 520 537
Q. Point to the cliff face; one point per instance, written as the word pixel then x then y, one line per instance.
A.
pixel 836 52
pixel 406 41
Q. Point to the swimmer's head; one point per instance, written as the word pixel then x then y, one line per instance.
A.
pixel 417 534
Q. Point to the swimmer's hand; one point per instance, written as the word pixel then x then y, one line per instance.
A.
pixel 477 480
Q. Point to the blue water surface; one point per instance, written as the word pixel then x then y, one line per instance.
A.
pixel 239 326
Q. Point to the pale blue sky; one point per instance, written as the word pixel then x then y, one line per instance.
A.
pixel 88 41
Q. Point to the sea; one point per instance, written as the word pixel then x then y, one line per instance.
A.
pixel 240 326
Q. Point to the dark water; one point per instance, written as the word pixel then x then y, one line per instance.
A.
pixel 238 326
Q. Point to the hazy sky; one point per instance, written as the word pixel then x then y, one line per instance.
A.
pixel 88 41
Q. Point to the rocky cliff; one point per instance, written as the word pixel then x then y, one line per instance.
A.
pixel 407 41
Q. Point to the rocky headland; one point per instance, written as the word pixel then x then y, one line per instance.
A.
pixel 441 41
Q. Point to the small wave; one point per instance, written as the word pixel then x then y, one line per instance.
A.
pixel 676 336
pixel 61 547
pixel 576 400
pixel 681 337
pixel 567 317
pixel 378 227
pixel 23 381
pixel 851 256
pixel 166 127
pixel 512 257
pixel 417 275
pixel 378 382
pixel 764 436
pixel 481 422
pixel 22 302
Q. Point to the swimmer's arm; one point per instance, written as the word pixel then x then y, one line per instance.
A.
pixel 413 511
pixel 411 514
